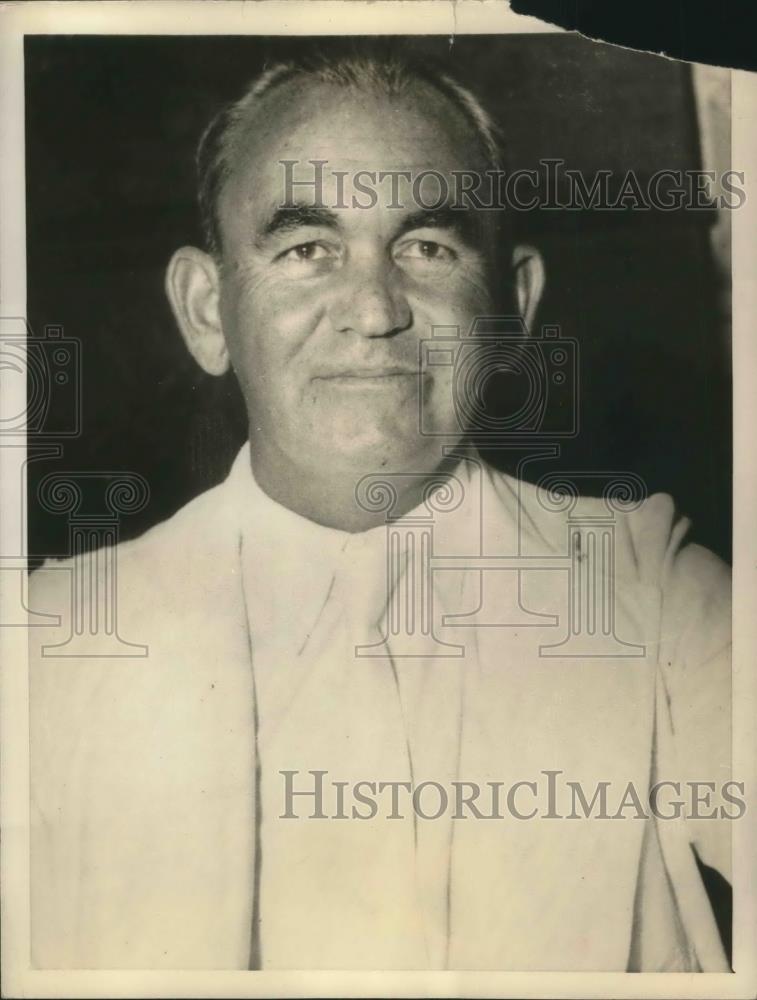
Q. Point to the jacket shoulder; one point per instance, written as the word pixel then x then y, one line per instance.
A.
pixel 148 571
pixel 642 531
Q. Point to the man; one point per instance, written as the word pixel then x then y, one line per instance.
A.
pixel 234 798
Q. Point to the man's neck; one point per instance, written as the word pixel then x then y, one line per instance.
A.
pixel 333 497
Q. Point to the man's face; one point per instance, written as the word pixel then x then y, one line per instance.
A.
pixel 322 306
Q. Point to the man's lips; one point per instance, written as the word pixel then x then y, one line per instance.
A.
pixel 368 374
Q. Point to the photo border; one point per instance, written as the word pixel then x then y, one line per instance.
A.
pixel 332 17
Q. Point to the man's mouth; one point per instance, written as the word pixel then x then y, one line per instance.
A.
pixel 384 376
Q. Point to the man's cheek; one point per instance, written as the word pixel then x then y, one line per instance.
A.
pixel 438 402
pixel 274 327
pixel 455 304
pixel 471 297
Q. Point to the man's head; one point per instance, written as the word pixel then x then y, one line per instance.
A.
pixel 319 292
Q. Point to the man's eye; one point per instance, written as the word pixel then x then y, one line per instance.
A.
pixel 426 253
pixel 305 252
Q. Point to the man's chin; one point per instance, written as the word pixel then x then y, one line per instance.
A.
pixel 390 455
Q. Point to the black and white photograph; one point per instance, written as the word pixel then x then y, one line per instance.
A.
pixel 371 588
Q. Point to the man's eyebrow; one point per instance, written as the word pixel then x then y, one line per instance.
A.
pixel 465 222
pixel 291 217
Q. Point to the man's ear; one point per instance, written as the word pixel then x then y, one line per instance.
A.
pixel 528 265
pixel 192 286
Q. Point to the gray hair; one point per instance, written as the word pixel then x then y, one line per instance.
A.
pixel 388 74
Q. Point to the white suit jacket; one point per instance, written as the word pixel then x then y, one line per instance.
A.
pixel 143 767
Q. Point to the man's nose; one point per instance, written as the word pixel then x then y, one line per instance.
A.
pixel 370 301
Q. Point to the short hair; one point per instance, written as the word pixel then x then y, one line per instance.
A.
pixel 389 73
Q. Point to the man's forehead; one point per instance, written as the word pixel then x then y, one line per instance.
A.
pixel 347 131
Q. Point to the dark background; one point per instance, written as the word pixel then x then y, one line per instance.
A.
pixel 111 126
